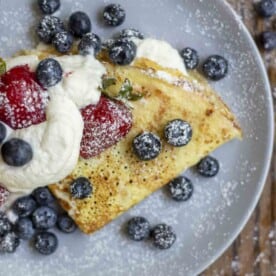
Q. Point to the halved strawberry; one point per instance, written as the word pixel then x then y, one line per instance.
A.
pixel 105 124
pixel 22 99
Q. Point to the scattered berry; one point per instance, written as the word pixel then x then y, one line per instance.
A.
pixel 44 217
pixel 181 188
pixel 147 146
pixel 266 8
pixel 66 224
pixel 268 40
pixel 5 225
pixel 49 72
pixel 63 42
pixel 130 33
pixel 90 44
pixel 79 24
pixel 208 166
pixel 49 6
pixel 163 236
pixel 190 58
pixel 24 228
pixel 122 52
pixel 105 124
pixel 16 152
pixel 215 67
pixel 138 228
pixel 114 15
pixel 45 243
pixel 43 196
pixel 106 45
pixel 178 133
pixel 81 188
pixel 23 100
pixel 48 26
pixel 24 206
pixel 3 132
pixel 9 243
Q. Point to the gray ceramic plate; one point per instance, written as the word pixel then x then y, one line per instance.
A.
pixel 220 207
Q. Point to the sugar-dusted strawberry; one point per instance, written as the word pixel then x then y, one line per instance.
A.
pixel 22 99
pixel 4 194
pixel 105 124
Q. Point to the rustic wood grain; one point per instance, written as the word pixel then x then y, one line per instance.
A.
pixel 254 251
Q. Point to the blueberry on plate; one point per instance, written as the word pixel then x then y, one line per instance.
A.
pixel 79 24
pixel 268 40
pixel 215 67
pixel 147 146
pixel 43 196
pixel 44 217
pixel 49 6
pixel 130 33
pixel 45 243
pixel 9 243
pixel 190 58
pixel 24 228
pixel 90 44
pixel 114 15
pixel 106 44
pixel 63 42
pixel 47 27
pixel 122 52
pixel 266 8
pixel 81 188
pixel 24 206
pixel 5 225
pixel 138 228
pixel 181 188
pixel 163 236
pixel 49 72
pixel 208 166
pixel 16 152
pixel 3 132
pixel 66 224
pixel 178 133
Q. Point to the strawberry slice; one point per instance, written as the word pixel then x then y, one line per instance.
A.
pixel 4 194
pixel 22 99
pixel 105 124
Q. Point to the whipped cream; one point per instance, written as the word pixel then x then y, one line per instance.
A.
pixel 160 52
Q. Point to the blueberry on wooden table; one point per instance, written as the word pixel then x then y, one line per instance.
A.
pixel 190 58
pixel 45 243
pixel 163 236
pixel 63 41
pixel 24 228
pixel 48 6
pixel 181 188
pixel 24 206
pixel 66 224
pixel 90 44
pixel 44 217
pixel 114 15
pixel 215 67
pixel 43 196
pixel 208 167
pixel 138 228
pixel 81 188
pixel 268 40
pixel 266 8
pixel 79 24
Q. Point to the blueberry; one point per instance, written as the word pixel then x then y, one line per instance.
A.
pixel 63 42
pixel 24 206
pixel 3 132
pixel 163 236
pixel 138 228
pixel 266 8
pixel 181 188
pixel 5 225
pixel 79 24
pixel 215 67
pixel 147 146
pixel 89 44
pixel 9 243
pixel 16 152
pixel 81 188
pixel 49 6
pixel 106 45
pixel 44 217
pixel 24 228
pixel 122 52
pixel 114 15
pixel 66 224
pixel 190 58
pixel 48 26
pixel 178 133
pixel 43 196
pixel 268 40
pixel 130 33
pixel 45 243
pixel 49 72
pixel 208 167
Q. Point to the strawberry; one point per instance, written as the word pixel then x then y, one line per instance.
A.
pixel 4 194
pixel 105 124
pixel 22 99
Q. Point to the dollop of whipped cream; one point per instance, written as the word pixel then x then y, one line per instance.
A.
pixel 160 52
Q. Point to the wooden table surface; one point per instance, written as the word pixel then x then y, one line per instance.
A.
pixel 254 251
